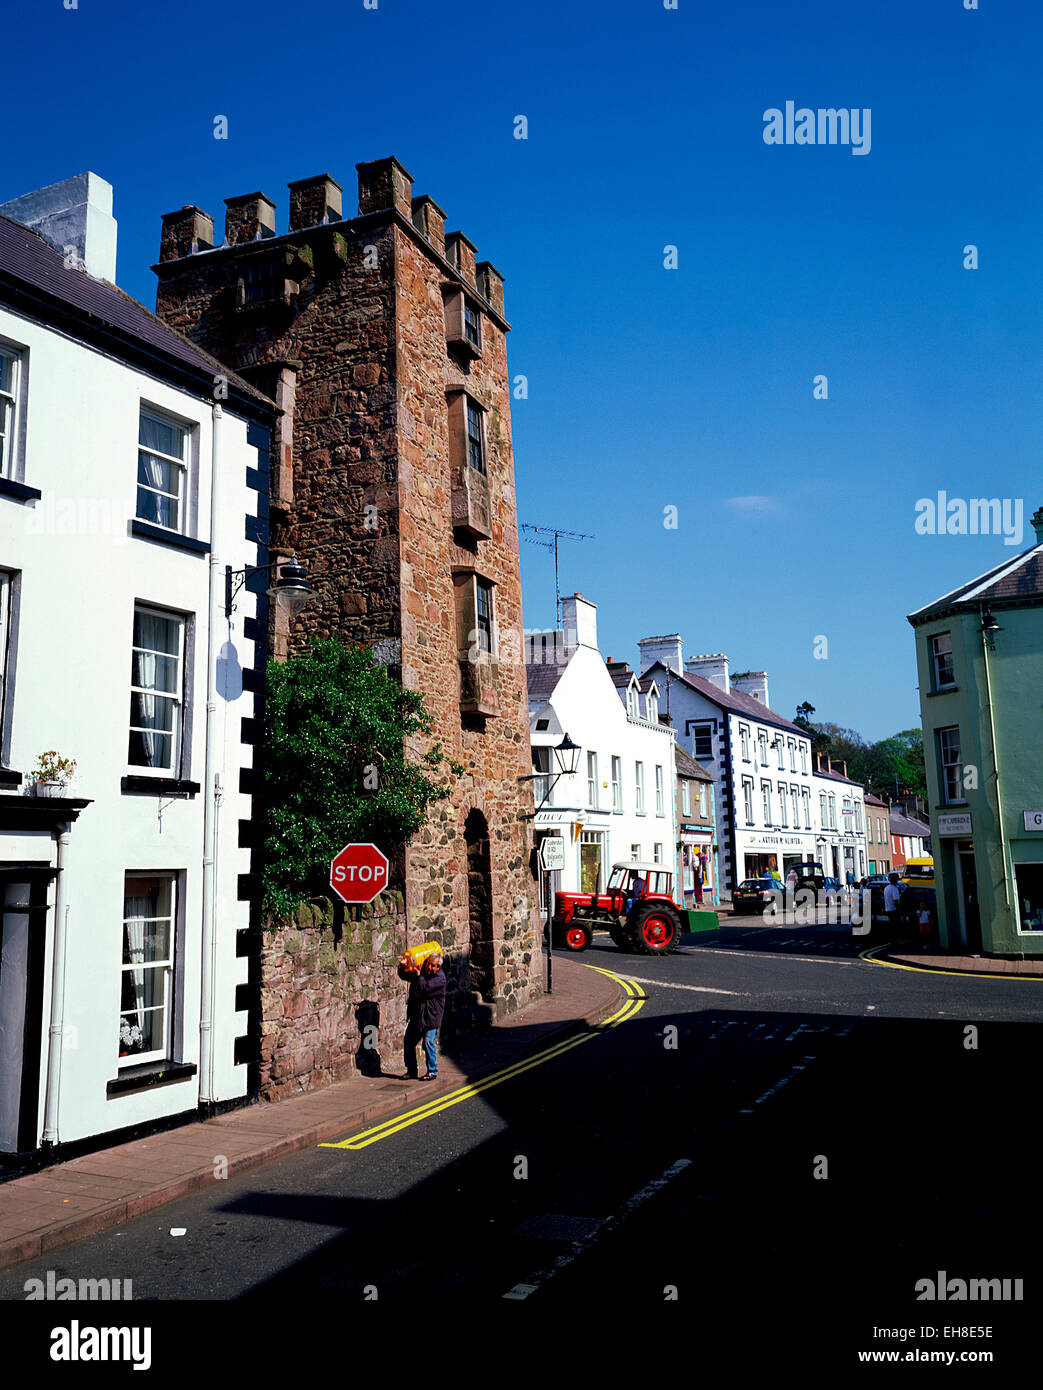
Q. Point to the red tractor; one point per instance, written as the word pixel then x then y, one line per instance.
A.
pixel 636 909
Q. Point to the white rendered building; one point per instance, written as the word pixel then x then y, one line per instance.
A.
pixel 620 803
pixel 133 471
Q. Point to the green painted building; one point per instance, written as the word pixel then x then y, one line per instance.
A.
pixel 979 653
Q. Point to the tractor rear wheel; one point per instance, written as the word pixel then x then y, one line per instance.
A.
pixel 654 929
pixel 620 937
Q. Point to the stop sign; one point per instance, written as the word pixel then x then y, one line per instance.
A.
pixel 358 873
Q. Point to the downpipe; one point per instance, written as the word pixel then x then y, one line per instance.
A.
pixel 56 1029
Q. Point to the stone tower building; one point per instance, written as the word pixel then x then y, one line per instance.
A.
pixel 392 477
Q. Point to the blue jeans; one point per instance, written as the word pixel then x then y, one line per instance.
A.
pixel 415 1034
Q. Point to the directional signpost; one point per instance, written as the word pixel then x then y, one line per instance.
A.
pixel 552 856
pixel 358 873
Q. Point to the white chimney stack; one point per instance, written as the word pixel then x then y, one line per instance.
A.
pixel 75 216
pixel 664 649
pixel 579 618
pixel 754 683
pixel 712 667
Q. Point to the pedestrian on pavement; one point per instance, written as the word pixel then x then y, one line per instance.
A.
pixel 923 918
pixel 699 887
pixel 891 895
pixel 424 1011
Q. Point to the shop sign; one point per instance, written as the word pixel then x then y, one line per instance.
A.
pixel 1033 820
pixel 955 823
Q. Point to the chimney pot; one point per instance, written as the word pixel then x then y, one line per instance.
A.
pixel 249 217
pixel 385 184
pixel 1037 523
pixel 314 201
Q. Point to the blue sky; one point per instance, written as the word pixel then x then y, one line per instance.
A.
pixel 652 388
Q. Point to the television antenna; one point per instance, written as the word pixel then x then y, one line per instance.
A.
pixel 558 534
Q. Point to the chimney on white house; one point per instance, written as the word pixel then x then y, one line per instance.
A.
pixel 75 216
pixel 664 649
pixel 753 683
pixel 712 667
pixel 580 621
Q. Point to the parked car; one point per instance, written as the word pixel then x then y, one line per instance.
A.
pixel 758 895
pixel 877 883
pixel 831 889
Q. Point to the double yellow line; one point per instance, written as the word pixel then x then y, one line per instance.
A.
pixel 636 998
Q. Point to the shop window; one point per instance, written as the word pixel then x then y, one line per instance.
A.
pixel 1028 880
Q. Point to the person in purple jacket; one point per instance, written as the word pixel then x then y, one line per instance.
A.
pixel 424 1010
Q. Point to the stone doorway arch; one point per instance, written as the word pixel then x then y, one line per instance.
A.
pixel 480 904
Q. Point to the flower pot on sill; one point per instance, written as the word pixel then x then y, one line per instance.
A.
pixel 50 788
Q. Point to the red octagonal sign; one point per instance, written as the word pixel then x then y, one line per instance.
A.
pixel 359 873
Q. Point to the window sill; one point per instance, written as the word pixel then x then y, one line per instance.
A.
pixel 9 778
pixel 159 786
pixel 145 531
pixel 944 690
pixel 150 1074
pixel 18 492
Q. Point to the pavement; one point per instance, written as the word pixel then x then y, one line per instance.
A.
pixel 903 953
pixel 68 1201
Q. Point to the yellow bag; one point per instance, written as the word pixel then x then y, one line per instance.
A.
pixel 410 961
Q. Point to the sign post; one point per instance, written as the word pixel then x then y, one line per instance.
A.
pixel 552 856
pixel 358 873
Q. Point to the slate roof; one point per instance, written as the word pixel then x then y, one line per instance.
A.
pixel 733 700
pixel 542 677
pixel 688 767
pixel 872 800
pixel 28 261
pixel 621 679
pixel 1019 578
pixel 835 777
pixel 905 825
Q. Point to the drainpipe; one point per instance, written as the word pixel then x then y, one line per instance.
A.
pixel 995 765
pixel 207 945
pixel 57 1025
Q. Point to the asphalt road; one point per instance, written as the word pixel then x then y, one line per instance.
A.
pixel 781 1128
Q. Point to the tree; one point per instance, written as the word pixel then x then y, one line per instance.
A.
pixel 820 742
pixel 336 766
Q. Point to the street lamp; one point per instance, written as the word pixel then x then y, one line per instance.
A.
pixel 989 628
pixel 291 591
pixel 566 755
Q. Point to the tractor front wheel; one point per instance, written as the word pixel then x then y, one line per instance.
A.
pixel 654 930
pixel 577 937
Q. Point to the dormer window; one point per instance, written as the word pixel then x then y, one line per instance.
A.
pixel 262 280
pixel 652 706
pixel 632 701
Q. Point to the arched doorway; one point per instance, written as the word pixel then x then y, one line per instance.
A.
pixel 480 904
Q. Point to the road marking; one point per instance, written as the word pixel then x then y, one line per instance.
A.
pixel 522 1291
pixel 869 957
pixel 799 1066
pixel 636 998
pixel 670 984
pixel 782 955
